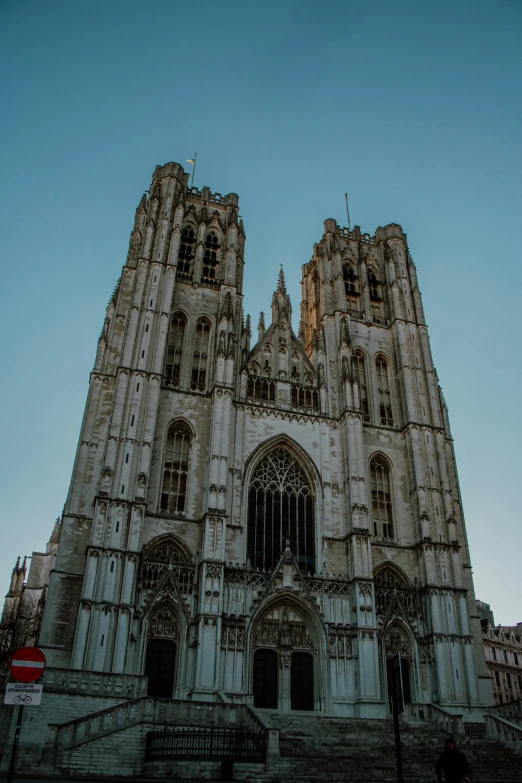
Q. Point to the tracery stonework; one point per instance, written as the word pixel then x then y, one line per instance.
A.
pixel 283 627
pixel 245 489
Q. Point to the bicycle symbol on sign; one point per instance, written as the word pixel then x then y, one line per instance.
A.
pixel 23 699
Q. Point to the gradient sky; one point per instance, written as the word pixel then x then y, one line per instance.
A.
pixel 413 107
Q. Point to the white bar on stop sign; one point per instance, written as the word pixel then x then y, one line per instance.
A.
pixel 32 664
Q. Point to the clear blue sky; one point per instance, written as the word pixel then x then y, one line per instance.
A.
pixel 414 108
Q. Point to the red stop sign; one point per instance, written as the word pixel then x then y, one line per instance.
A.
pixel 27 664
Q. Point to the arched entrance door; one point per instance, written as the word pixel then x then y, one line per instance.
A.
pixel 265 679
pixel 405 674
pixel 302 681
pixel 160 665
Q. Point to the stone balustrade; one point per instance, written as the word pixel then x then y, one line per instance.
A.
pixel 156 712
pixel 507 733
pixel 125 686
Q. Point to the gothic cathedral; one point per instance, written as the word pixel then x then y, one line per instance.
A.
pixel 265 521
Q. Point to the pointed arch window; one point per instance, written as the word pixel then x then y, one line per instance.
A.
pixel 376 298
pixel 178 324
pixel 382 513
pixel 383 391
pixel 375 286
pixel 200 360
pixel 210 259
pixel 175 468
pixel 359 367
pixel 186 253
pixel 351 280
pixel 280 507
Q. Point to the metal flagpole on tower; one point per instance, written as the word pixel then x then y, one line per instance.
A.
pixel 193 160
pixel 347 211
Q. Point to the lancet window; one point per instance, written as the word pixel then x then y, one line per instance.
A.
pixel 178 323
pixel 382 512
pixel 375 285
pixel 305 397
pixel 261 388
pixel 359 368
pixel 210 260
pixel 376 299
pixel 383 391
pixel 175 468
pixel 280 507
pixel 186 253
pixel 200 360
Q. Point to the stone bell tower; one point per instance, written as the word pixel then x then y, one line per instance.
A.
pixel 362 317
pixel 170 345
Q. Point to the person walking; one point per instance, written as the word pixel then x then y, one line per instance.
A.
pixel 452 765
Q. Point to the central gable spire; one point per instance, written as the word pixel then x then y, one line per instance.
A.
pixel 281 306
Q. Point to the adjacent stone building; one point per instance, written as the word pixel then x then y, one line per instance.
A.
pixel 24 603
pixel 262 520
pixel 503 651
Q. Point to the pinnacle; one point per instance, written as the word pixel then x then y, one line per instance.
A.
pixel 281 285
pixel 55 535
pixel 261 324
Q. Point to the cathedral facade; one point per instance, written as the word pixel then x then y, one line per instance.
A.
pixel 265 519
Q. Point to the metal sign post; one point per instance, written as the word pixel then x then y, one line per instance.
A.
pixel 397 696
pixel 15 743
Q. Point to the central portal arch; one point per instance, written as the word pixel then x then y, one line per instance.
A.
pixel 284 659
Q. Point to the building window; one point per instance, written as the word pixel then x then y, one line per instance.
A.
pixel 261 388
pixel 199 364
pixel 515 656
pixel 280 507
pixel 175 470
pixel 497 678
pixel 178 323
pixel 305 397
pixel 505 656
pixel 381 498
pixel 383 391
pixel 351 281
pixel 375 286
pixel 186 254
pixel 493 654
pixel 210 260
pixel 359 369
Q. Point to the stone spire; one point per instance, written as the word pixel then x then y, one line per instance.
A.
pixel 281 307
pixel 261 326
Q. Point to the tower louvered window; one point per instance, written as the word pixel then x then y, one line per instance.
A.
pixel 186 253
pixel 174 355
pixel 376 300
pixel 200 361
pixel 359 366
pixel 210 260
pixel 175 469
pixel 351 280
pixel 280 507
pixel 383 391
pixel 382 513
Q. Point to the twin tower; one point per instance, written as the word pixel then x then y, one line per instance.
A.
pixel 270 518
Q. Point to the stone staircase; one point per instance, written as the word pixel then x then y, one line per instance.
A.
pixel 154 712
pixel 334 750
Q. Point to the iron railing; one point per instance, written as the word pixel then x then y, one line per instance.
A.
pixel 201 742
